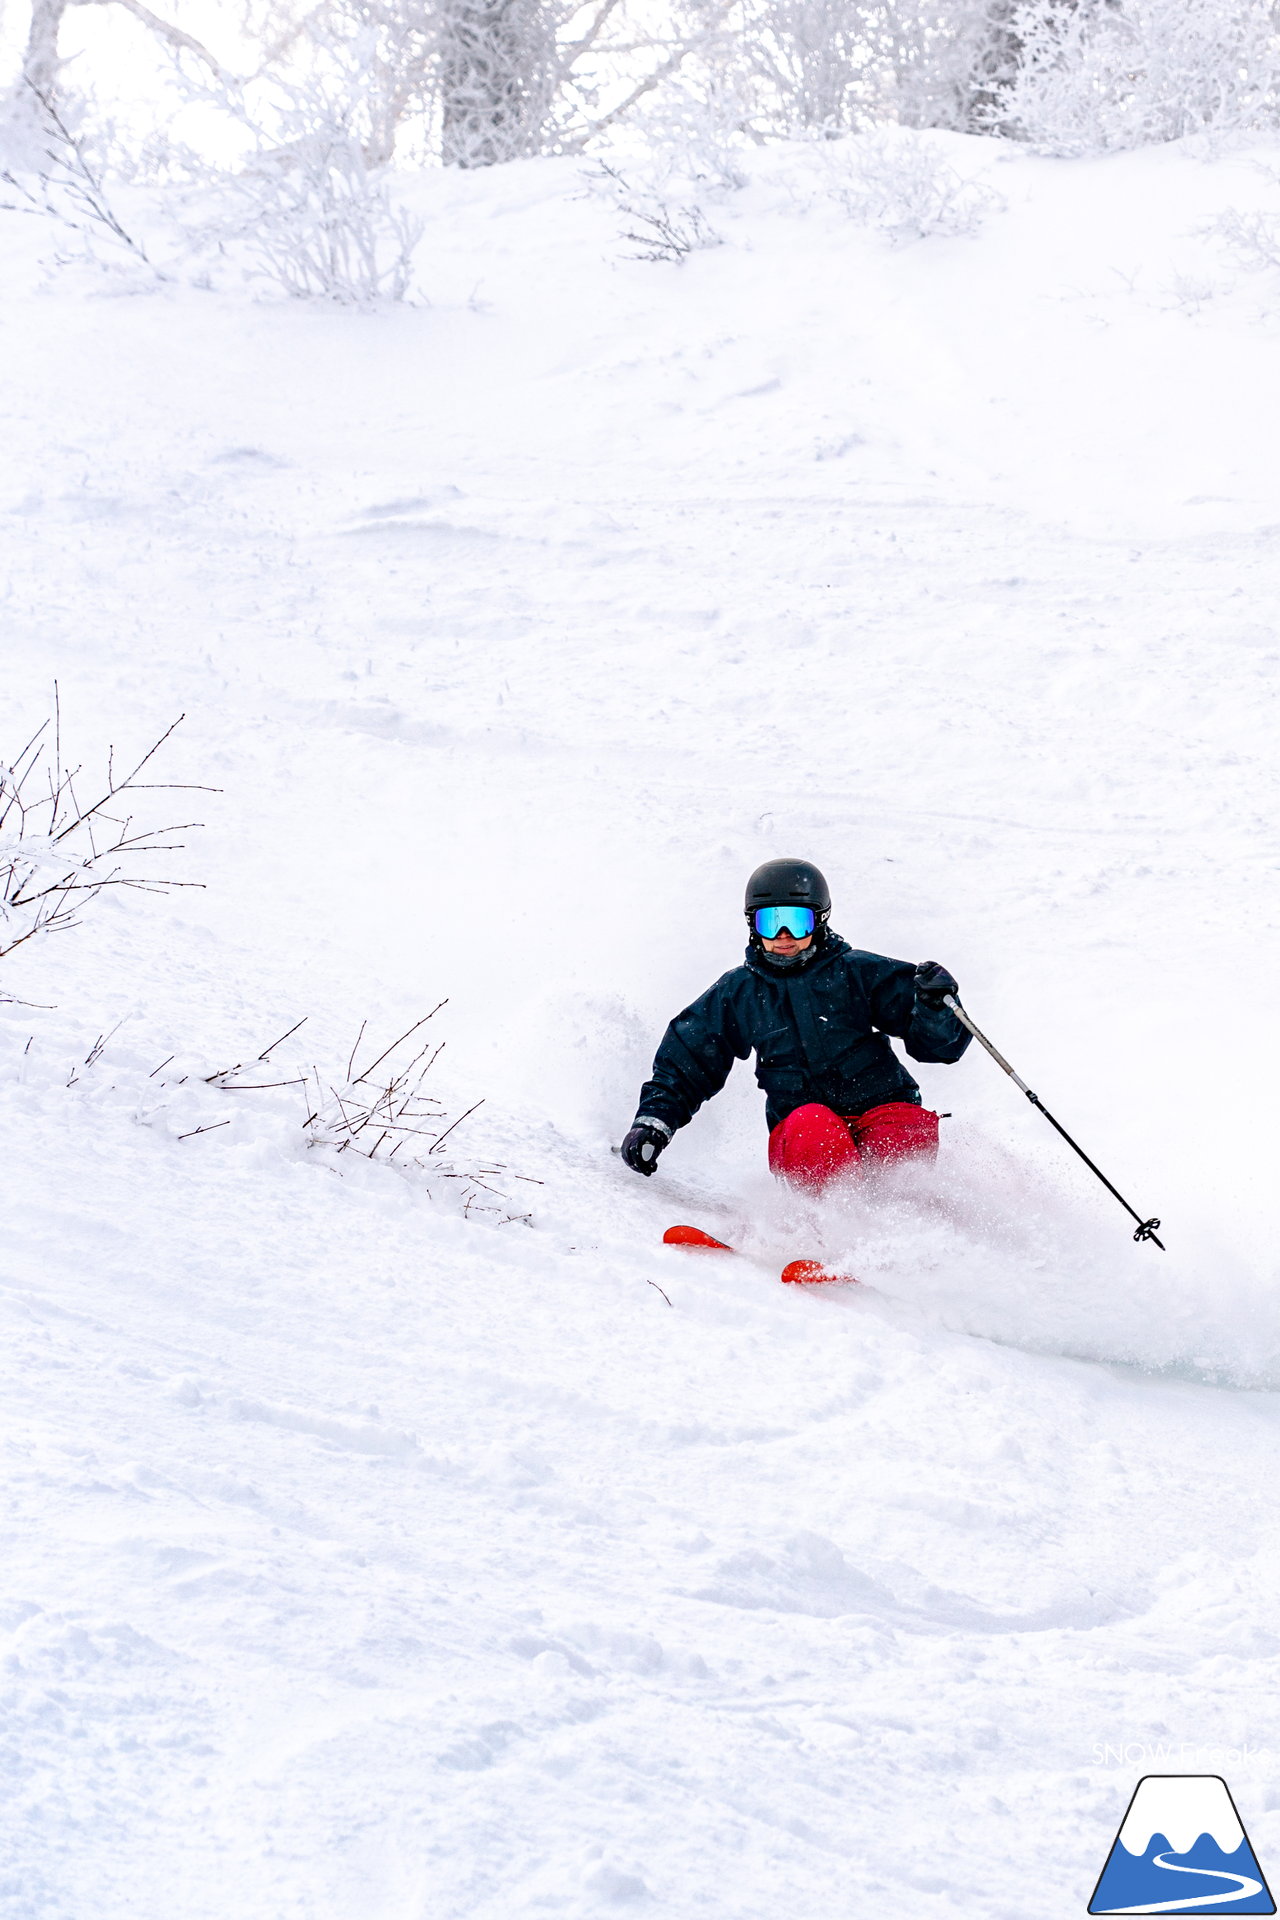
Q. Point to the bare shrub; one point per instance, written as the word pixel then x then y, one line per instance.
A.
pixel 900 183
pixel 664 232
pixel 379 1112
pixel 657 228
pixel 58 853
pixel 366 1114
pixel 384 1105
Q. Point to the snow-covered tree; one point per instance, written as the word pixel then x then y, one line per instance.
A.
pixel 498 74
pixel 479 82
pixel 22 116
pixel 835 65
pixel 1094 76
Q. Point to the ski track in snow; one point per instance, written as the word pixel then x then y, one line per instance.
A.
pixel 365 1560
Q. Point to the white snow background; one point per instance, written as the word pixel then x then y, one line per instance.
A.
pixel 363 1561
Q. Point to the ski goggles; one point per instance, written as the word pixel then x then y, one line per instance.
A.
pixel 771 921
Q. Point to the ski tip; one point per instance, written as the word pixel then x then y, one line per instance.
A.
pixel 811 1273
pixel 694 1237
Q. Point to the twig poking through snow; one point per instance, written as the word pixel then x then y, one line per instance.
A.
pixel 57 854
pixel 267 1051
pixel 387 1117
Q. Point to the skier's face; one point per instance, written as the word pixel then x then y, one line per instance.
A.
pixel 786 945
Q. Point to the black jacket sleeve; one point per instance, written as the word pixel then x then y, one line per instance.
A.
pixel 693 1062
pixel 930 1033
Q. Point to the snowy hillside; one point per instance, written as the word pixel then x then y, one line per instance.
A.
pixel 362 1558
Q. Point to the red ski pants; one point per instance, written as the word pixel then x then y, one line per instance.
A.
pixel 813 1144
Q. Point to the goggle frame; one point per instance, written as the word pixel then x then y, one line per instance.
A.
pixel 769 922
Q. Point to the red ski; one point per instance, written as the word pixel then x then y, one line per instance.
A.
pixel 695 1239
pixel 798 1273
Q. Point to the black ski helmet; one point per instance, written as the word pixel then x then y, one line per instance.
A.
pixel 788 883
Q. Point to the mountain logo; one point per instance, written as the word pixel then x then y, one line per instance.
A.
pixel 1181 1848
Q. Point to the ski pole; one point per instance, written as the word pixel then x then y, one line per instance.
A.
pixel 1146 1229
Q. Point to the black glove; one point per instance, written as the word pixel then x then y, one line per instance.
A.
pixel 932 982
pixel 642 1146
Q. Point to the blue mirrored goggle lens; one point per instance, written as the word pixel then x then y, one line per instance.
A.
pixel 771 921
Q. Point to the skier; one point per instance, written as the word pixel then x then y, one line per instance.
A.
pixel 817 1011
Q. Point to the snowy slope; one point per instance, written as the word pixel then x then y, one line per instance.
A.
pixel 362 1559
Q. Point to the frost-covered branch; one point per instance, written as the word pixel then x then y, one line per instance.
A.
pixel 65 181
pixel 310 208
pixel 659 75
pixel 170 35
pixel 1251 238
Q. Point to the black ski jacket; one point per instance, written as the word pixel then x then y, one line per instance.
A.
pixel 818 1032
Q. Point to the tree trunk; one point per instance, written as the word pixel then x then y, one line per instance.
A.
pixel 993 69
pixel 40 62
pixel 496 79
pixel 22 131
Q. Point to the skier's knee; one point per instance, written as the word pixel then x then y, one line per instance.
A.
pixel 811 1146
